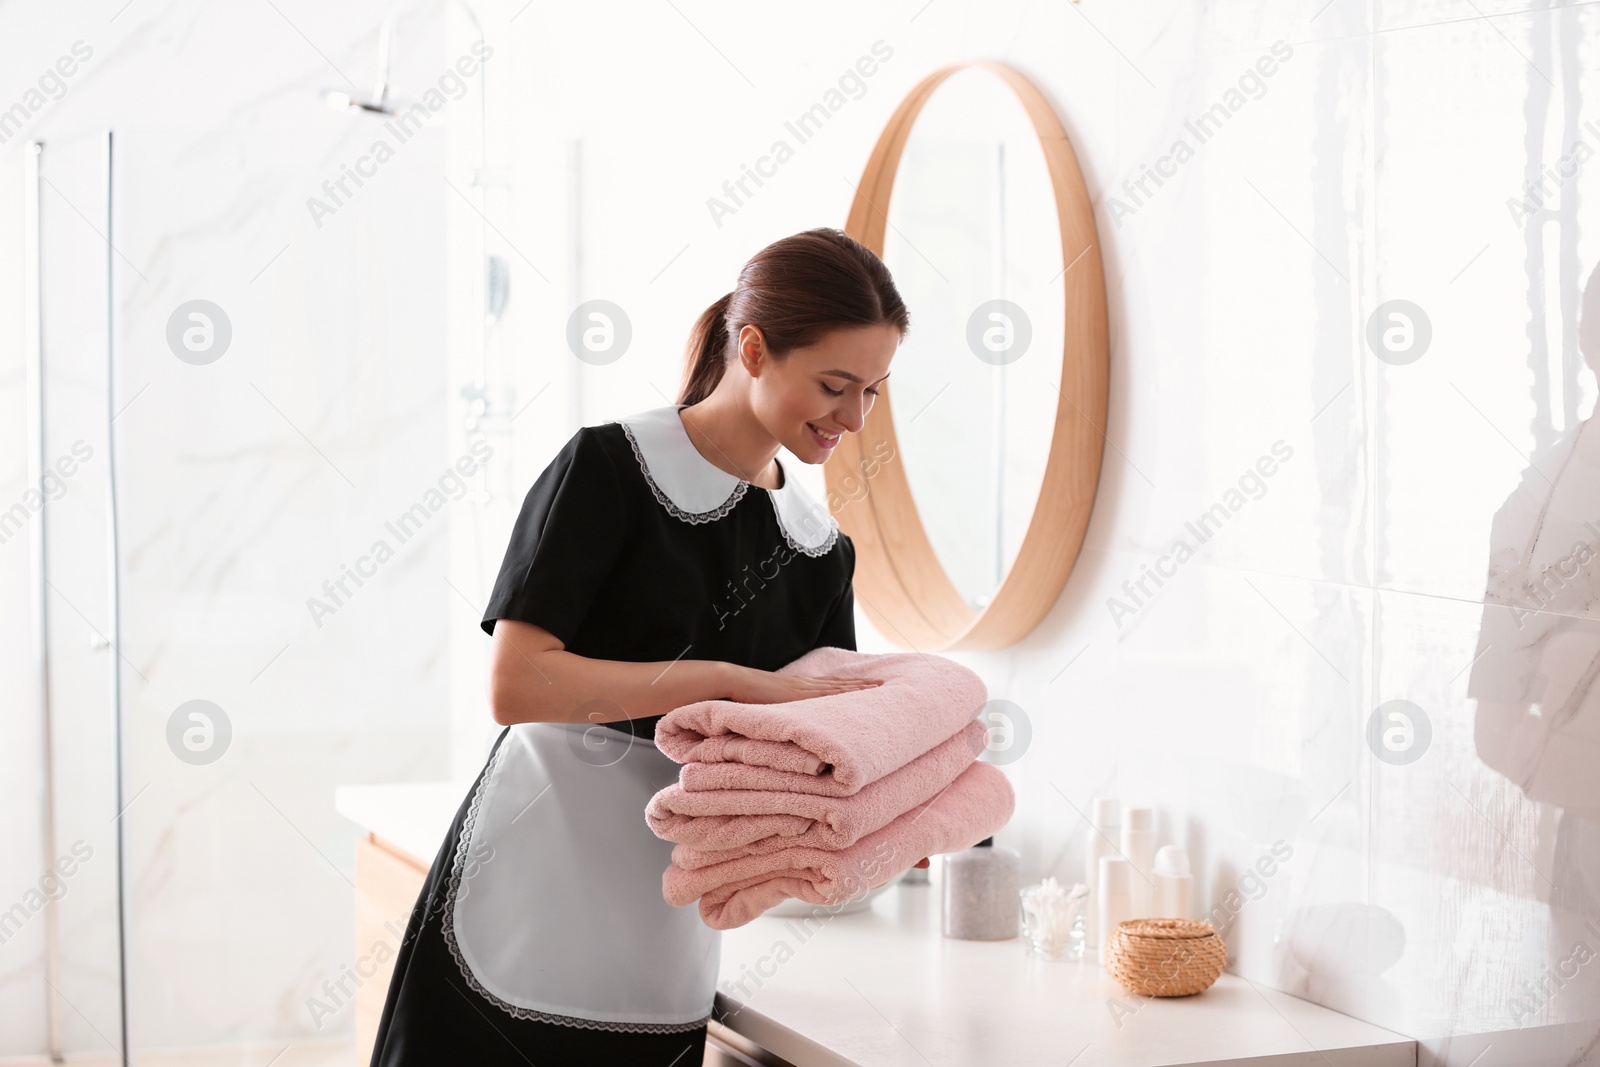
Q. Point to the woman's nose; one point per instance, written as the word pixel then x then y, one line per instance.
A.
pixel 852 416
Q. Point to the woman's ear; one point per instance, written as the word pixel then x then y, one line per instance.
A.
pixel 752 347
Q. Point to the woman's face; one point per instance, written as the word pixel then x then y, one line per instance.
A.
pixel 814 395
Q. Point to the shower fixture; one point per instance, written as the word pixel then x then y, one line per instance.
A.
pixel 339 100
pixel 485 403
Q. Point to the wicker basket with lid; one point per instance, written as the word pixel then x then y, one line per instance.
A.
pixel 1165 957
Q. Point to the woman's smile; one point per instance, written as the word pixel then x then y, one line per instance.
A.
pixel 822 438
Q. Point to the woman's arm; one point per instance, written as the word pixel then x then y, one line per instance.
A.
pixel 532 678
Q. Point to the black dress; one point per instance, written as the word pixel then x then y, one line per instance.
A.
pixel 541 934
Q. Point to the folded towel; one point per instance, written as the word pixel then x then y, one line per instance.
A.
pixel 854 738
pixel 717 825
pixel 699 776
pixel 976 804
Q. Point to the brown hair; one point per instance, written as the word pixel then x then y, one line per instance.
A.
pixel 795 290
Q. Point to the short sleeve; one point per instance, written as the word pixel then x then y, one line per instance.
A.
pixel 565 542
pixel 840 629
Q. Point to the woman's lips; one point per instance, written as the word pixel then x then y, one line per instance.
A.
pixel 821 439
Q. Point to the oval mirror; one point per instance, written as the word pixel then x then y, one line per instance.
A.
pixel 969 489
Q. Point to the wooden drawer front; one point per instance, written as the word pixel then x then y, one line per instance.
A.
pixel 388 882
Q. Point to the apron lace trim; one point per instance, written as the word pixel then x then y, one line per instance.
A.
pixel 447 923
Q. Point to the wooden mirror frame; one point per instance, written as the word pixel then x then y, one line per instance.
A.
pixel 899 580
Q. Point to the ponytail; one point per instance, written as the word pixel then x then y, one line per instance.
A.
pixel 795 290
pixel 706 356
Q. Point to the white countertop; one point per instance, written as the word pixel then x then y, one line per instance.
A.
pixel 883 988
pixel 412 816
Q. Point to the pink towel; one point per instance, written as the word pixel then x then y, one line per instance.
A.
pixel 717 825
pixel 698 776
pixel 855 737
pixel 976 804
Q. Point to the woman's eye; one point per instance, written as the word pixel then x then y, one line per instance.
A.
pixel 833 392
pixel 874 392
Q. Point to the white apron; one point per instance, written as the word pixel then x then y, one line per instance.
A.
pixel 554 905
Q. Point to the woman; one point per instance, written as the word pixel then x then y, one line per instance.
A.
pixel 659 560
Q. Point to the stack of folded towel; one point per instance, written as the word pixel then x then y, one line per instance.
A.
pixel 824 798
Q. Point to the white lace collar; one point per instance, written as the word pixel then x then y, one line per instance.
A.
pixel 694 489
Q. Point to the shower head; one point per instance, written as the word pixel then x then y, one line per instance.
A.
pixel 342 101
pixel 339 100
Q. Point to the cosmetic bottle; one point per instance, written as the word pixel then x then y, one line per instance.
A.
pixel 1174 884
pixel 981 901
pixel 1139 847
pixel 1115 887
pixel 1105 816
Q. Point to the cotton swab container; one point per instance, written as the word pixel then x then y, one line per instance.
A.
pixel 1053 919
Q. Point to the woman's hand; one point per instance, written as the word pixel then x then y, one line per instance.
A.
pixel 923 862
pixel 753 686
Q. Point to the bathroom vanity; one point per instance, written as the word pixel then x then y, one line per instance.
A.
pixel 881 987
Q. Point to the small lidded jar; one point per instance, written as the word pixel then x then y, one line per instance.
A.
pixel 980 893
